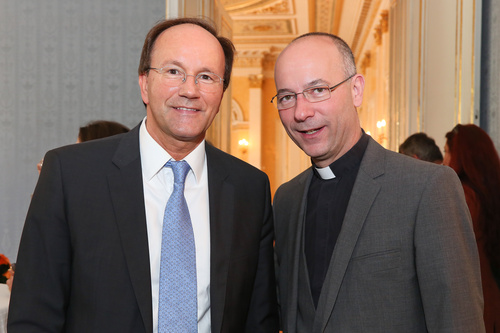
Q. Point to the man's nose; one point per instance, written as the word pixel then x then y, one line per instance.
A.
pixel 189 88
pixel 303 108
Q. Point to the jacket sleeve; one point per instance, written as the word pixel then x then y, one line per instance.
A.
pixel 263 312
pixel 446 257
pixel 41 286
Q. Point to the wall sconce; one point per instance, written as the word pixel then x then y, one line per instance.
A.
pixel 243 144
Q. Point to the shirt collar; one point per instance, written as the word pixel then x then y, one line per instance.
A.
pixel 325 173
pixel 154 157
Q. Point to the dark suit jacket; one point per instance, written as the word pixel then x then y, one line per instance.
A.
pixel 405 260
pixel 83 262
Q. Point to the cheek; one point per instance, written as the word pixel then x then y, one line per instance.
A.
pixel 446 159
pixel 161 92
pixel 213 101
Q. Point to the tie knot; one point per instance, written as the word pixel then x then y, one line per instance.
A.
pixel 180 169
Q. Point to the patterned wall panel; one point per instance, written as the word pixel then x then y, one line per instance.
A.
pixel 62 64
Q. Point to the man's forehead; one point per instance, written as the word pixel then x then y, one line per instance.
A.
pixel 187 39
pixel 186 31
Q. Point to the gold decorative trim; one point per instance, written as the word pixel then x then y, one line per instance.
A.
pixel 473 57
pixel 458 61
pixel 384 21
pixel 270 58
pixel 255 80
pixel 249 58
pixel 324 11
pixel 366 62
pixel 337 14
pixel 361 22
pixel 231 6
pixel 277 8
pixel 256 28
pixel 377 35
pixel 252 7
pixel 421 73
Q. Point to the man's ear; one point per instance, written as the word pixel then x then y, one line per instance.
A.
pixel 143 84
pixel 358 86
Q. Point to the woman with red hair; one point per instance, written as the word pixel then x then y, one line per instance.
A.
pixel 471 153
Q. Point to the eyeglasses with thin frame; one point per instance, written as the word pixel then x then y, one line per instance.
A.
pixel 315 94
pixel 174 76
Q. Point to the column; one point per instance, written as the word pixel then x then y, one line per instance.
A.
pixel 255 119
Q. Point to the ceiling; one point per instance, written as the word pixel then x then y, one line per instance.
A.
pixel 265 24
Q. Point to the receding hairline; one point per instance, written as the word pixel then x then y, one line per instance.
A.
pixel 193 25
pixel 307 38
pixel 340 45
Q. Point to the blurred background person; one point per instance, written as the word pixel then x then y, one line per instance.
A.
pixel 471 153
pixel 96 129
pixel 421 147
pixel 100 129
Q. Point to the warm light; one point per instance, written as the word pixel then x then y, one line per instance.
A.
pixel 243 143
pixel 381 123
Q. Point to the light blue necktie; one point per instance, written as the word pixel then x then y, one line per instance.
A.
pixel 178 305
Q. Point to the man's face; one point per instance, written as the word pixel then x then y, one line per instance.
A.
pixel 323 130
pixel 178 116
pixel 447 156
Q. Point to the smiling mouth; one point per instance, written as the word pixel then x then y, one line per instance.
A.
pixel 312 131
pixel 185 109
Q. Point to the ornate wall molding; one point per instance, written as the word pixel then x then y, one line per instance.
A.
pixel 255 80
pixel 249 58
pixel 366 62
pixel 384 21
pixel 324 15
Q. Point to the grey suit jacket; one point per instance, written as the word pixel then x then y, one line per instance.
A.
pixel 83 263
pixel 405 260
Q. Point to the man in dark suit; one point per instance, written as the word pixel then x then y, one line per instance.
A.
pixel 89 258
pixel 367 240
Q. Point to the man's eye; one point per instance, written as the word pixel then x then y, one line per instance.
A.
pixel 172 71
pixel 206 77
pixel 285 98
pixel 318 90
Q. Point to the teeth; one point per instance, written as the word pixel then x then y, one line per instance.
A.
pixel 187 109
pixel 311 131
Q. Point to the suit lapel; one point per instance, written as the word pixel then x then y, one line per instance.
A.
pixel 127 195
pixel 363 195
pixel 221 197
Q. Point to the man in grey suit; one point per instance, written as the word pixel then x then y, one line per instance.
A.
pixel 367 240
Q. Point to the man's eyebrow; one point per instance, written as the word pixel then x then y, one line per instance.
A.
pixel 285 91
pixel 317 82
pixel 181 66
pixel 313 83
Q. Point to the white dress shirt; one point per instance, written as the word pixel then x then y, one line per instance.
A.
pixel 158 184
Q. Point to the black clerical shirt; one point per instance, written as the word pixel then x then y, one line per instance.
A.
pixel 327 201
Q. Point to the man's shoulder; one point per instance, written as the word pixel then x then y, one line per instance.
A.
pixel 390 159
pixel 404 171
pixel 93 152
pixel 295 184
pixel 230 162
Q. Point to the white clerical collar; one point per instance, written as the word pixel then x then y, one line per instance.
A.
pixel 325 173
